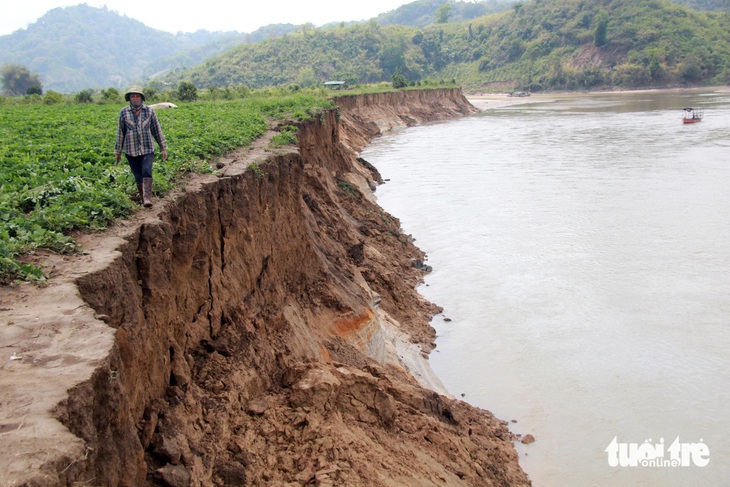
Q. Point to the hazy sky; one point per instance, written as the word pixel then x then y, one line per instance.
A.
pixel 212 15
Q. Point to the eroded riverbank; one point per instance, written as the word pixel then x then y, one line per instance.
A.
pixel 234 335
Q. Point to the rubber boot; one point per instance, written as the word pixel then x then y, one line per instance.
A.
pixel 147 192
pixel 141 192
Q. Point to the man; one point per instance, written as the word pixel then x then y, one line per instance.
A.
pixel 138 129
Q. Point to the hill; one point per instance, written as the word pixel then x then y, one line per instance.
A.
pixel 423 12
pixel 505 44
pixel 536 45
pixel 75 48
pixel 709 5
pixel 80 47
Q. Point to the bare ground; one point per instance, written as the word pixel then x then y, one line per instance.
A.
pixel 243 332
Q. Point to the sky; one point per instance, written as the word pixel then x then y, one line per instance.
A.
pixel 212 15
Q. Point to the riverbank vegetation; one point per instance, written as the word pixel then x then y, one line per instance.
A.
pixel 57 170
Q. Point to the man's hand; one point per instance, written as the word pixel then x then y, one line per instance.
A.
pixel 118 157
pixel 164 154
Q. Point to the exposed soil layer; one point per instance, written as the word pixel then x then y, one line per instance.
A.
pixel 247 330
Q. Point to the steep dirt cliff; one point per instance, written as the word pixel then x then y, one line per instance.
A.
pixel 260 327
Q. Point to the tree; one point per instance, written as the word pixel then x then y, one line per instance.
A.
pixel 18 80
pixel 601 32
pixel 655 68
pixel 443 13
pixel 392 54
pixel 52 98
pixel 306 77
pixel 150 92
pixel 186 91
pixel 515 49
pixel 307 28
pixel 690 69
pixel 398 80
pixel 84 96
pixel 110 95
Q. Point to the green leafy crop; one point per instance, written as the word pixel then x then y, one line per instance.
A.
pixel 58 174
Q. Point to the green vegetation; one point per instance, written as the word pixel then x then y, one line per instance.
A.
pixel 398 80
pixel 709 5
pixel 498 45
pixel 348 189
pixel 256 168
pixel 57 171
pixel 443 13
pixel 187 91
pixel 80 47
pixel 534 46
pixel 425 12
pixel 386 87
pixel 576 45
pixel 600 33
pixel 56 164
pixel 287 136
pixel 18 80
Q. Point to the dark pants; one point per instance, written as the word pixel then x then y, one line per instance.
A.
pixel 141 166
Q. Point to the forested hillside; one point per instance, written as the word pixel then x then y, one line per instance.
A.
pixel 536 45
pixel 711 5
pixel 424 12
pixel 80 47
pixel 492 44
pixel 75 48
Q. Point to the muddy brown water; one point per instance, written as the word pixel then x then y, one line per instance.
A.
pixel 581 251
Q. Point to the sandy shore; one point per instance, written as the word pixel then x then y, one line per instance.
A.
pixel 500 100
pixel 402 352
pixel 485 101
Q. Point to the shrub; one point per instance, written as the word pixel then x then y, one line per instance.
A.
pixel 52 98
pixel 398 79
pixel 84 96
pixel 287 136
pixel 110 95
pixel 187 91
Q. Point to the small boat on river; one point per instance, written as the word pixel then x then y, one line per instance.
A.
pixel 693 115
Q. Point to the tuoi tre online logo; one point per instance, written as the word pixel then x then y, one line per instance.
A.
pixel 650 454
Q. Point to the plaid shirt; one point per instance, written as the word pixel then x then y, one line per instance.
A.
pixel 136 132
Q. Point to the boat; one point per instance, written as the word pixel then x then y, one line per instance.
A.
pixel 693 115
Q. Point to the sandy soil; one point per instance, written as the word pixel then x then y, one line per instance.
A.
pixel 230 335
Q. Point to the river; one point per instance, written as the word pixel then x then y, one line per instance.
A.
pixel 580 247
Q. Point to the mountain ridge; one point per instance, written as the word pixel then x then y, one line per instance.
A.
pixel 535 46
pixel 82 47
pixel 79 47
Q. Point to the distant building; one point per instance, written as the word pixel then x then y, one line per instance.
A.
pixel 335 85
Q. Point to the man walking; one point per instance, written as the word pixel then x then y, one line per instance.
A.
pixel 137 132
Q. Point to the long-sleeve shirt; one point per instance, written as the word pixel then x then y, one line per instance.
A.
pixel 137 132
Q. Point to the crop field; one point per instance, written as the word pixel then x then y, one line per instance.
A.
pixel 58 173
